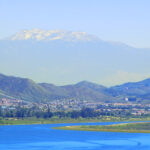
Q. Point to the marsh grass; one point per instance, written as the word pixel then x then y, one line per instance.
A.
pixel 142 127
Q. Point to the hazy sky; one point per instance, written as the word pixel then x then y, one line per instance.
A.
pixel 127 21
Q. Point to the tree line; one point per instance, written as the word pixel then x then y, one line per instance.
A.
pixel 34 112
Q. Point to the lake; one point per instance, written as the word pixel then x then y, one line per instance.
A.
pixel 43 137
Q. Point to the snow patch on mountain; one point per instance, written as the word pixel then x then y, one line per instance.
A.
pixel 49 35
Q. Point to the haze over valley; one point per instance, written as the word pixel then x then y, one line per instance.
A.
pixel 67 57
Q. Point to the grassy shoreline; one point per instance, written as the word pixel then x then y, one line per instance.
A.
pixel 28 121
pixel 141 127
pixel 103 130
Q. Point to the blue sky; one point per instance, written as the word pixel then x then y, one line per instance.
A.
pixel 126 21
pixel 114 20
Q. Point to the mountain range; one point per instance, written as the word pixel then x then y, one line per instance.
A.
pixel 65 57
pixel 26 89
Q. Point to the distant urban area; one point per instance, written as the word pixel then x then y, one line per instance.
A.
pixel 24 98
pixel 128 106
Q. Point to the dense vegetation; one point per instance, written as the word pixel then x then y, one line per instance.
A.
pixel 35 115
pixel 20 112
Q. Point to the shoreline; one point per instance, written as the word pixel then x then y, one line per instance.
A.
pixel 137 127
pixel 106 130
pixel 30 121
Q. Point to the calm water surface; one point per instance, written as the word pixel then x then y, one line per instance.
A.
pixel 43 137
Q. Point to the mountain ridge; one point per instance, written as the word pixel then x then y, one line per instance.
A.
pixel 27 89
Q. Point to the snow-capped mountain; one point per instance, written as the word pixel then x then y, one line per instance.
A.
pixel 49 35
pixel 64 57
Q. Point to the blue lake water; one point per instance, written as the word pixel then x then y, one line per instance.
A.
pixel 43 137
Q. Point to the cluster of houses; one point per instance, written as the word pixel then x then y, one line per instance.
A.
pixel 69 104
pixel 76 104
pixel 5 102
